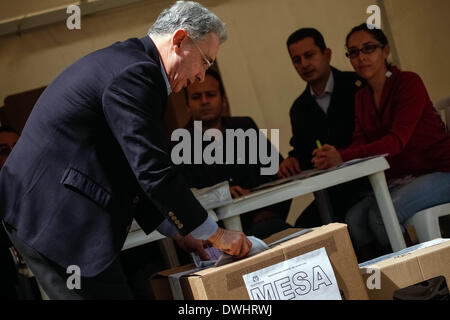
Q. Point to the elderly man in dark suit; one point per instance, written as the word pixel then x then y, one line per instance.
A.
pixel 324 112
pixel 92 156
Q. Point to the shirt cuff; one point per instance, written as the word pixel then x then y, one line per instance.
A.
pixel 205 230
pixel 166 228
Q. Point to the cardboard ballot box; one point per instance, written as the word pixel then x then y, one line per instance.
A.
pixel 227 281
pixel 413 269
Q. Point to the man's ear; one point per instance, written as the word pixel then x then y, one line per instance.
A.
pixel 178 37
pixel 387 50
pixel 328 53
pixel 224 103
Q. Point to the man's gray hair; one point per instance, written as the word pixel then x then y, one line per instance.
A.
pixel 191 16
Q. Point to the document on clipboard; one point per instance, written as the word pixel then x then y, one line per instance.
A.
pixel 313 172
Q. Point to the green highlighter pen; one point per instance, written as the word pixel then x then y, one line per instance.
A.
pixel 319 145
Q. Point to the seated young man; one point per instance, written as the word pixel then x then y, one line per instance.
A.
pixel 206 102
pixel 324 112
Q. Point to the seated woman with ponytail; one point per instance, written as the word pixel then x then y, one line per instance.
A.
pixel 394 116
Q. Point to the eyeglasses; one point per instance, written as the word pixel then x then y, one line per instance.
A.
pixel 367 49
pixel 206 62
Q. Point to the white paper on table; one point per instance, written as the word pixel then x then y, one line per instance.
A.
pixel 303 175
pixel 213 196
pixel 312 172
pixel 307 277
pixel 358 160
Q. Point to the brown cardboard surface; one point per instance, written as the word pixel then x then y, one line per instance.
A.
pixel 160 283
pixel 226 282
pixel 408 269
pixel 279 235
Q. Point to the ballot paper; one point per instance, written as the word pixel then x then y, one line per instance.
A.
pixel 306 277
pixel 219 258
pixel 213 253
pixel 213 196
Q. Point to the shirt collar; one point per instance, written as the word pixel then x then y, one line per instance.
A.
pixel 328 87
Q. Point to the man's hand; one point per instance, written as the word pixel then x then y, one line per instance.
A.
pixel 190 244
pixel 326 157
pixel 237 191
pixel 232 242
pixel 289 167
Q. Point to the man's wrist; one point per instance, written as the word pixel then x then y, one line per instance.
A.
pixel 217 235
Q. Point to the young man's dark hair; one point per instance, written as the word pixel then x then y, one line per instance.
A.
pixel 303 33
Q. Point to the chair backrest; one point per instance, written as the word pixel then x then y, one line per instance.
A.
pixel 443 106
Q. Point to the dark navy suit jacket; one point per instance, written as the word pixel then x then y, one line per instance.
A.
pixel 92 156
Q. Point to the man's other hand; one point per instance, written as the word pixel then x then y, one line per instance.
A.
pixel 190 244
pixel 289 167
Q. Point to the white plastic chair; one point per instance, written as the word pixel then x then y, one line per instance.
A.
pixel 426 222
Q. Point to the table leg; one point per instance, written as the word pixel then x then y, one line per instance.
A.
pixel 233 223
pixel 324 206
pixel 390 220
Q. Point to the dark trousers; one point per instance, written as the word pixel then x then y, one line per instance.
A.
pixel 109 284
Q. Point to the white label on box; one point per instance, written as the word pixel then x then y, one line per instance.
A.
pixel 306 277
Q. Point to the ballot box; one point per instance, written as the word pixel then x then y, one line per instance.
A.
pixel 420 272
pixel 317 263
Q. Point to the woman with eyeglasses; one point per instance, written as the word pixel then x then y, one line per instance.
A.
pixel 394 116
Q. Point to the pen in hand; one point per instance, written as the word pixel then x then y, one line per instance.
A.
pixel 319 145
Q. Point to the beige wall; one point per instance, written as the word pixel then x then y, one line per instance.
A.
pixel 421 31
pixel 10 9
pixel 259 78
